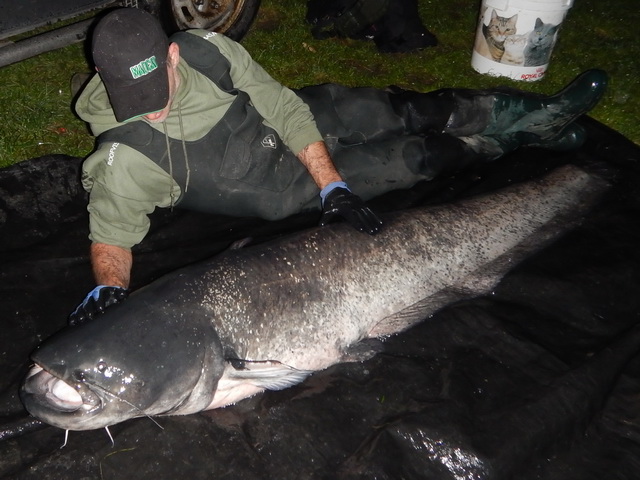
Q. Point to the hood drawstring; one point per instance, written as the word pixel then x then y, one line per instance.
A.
pixel 184 149
pixel 172 194
pixel 184 153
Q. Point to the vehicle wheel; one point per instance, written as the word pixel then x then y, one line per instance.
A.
pixel 231 17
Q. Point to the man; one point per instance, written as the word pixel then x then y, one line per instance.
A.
pixel 194 122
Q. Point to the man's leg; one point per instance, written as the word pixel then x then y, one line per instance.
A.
pixel 490 121
pixel 372 169
pixel 507 119
pixel 385 140
pixel 353 115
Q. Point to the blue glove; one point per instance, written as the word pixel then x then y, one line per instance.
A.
pixel 338 201
pixel 96 301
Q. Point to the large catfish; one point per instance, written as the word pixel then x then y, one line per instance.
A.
pixel 264 317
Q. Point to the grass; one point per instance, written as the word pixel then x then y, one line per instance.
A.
pixel 35 97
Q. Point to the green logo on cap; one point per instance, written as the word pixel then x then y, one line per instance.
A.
pixel 144 67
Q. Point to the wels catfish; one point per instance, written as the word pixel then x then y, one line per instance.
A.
pixel 266 316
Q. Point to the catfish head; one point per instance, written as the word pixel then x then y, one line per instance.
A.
pixel 146 356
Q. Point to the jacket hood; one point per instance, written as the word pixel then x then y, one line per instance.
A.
pixel 94 108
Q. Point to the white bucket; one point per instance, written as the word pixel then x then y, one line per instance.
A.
pixel 515 38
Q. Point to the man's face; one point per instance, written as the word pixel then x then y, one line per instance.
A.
pixel 174 82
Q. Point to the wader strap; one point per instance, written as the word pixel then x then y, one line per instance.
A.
pixel 205 57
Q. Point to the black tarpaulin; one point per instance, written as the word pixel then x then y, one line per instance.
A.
pixel 538 380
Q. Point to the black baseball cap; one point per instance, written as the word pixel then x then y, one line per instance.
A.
pixel 129 50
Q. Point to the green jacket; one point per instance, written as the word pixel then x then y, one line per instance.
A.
pixel 125 186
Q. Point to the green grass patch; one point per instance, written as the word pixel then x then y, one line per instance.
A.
pixel 35 98
pixel 35 101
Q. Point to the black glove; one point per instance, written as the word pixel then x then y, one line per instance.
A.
pixel 337 200
pixel 96 301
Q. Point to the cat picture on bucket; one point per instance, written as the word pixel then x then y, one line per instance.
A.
pixel 514 48
pixel 491 37
pixel 540 42
pixel 515 38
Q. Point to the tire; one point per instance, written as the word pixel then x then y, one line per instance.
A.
pixel 231 17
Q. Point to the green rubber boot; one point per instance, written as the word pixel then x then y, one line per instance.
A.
pixel 491 147
pixel 516 119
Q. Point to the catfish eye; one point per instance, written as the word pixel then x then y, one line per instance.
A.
pixel 101 366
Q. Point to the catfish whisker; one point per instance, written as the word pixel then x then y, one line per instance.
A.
pixel 113 443
pixel 66 437
pixel 128 403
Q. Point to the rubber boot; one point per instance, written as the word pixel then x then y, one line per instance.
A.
pixel 519 119
pixel 491 147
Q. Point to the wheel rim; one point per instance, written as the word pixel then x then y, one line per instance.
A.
pixel 216 15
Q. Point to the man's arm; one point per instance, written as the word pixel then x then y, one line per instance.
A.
pixel 112 271
pixel 315 157
pixel 111 265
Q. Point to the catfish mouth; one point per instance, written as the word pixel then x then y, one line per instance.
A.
pixel 53 400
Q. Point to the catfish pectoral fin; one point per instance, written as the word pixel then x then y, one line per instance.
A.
pixel 264 374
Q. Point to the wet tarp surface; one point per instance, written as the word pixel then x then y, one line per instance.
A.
pixel 538 380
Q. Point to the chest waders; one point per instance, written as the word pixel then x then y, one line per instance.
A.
pixel 240 167
pixel 390 139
